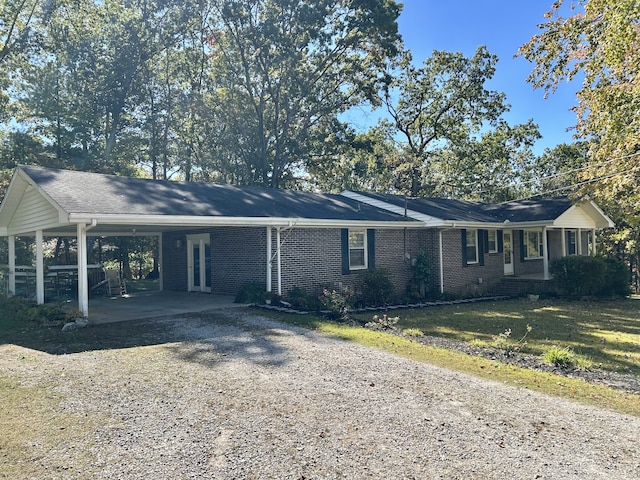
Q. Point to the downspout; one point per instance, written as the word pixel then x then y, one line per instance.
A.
pixel 269 260
pixel 279 261
pixel 441 261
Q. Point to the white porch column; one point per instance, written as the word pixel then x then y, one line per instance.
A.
pixel 545 253
pixel 83 281
pixel 579 241
pixel 269 257
pixel 564 243
pixel 279 261
pixel 39 268
pixel 12 264
pixel 594 250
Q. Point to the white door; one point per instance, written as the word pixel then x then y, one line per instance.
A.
pixel 507 248
pixel 199 262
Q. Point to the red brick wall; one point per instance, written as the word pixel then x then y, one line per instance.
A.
pixel 311 259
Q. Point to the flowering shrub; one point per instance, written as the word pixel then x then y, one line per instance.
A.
pixel 382 323
pixel 336 302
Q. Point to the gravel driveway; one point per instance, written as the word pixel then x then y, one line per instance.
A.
pixel 233 395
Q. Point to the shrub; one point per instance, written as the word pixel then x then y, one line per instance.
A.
pixel 383 322
pixel 337 303
pixel 250 293
pixel 421 270
pixel 298 297
pixel 376 288
pixel 579 276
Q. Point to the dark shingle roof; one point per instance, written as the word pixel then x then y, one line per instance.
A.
pixel 534 210
pixel 98 194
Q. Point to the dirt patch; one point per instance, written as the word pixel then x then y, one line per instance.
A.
pixel 236 395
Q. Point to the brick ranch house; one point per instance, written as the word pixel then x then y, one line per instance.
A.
pixel 217 238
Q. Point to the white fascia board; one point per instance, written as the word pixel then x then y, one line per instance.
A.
pixel 203 221
pixel 427 220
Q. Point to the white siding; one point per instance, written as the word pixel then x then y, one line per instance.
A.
pixel 575 217
pixel 33 213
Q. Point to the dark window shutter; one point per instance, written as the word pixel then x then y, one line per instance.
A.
pixel 521 246
pixel 500 241
pixel 344 238
pixel 463 236
pixel 371 249
pixel 483 245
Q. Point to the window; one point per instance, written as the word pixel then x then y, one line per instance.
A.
pixel 472 246
pixel 532 244
pixel 492 241
pixel 357 249
pixel 571 243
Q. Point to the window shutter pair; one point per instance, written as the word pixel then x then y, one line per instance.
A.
pixel 482 237
pixel 371 249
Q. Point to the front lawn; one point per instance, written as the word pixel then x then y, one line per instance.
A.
pixel 603 333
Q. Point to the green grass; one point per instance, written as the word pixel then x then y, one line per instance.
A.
pixel 608 332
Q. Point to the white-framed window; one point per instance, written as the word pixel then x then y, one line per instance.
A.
pixel 357 249
pixel 492 241
pixel 572 246
pixel 532 244
pixel 472 246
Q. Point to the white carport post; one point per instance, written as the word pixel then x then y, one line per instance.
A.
pixel 269 259
pixel 545 253
pixel 12 264
pixel 39 268
pixel 83 281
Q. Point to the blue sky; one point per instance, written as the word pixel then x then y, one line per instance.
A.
pixel 501 25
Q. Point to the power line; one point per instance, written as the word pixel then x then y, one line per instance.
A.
pixel 586 182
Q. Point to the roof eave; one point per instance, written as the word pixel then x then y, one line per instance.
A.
pixel 209 221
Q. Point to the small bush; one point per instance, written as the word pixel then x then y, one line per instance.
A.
pixel 337 303
pixel 560 356
pixel 250 293
pixel 383 322
pixel 504 342
pixel 298 298
pixel 376 288
pixel 413 332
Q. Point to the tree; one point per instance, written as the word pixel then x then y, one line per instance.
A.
pixel 286 69
pixel 443 110
pixel 600 40
pixel 558 170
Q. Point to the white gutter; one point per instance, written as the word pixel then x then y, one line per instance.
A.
pixel 189 221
